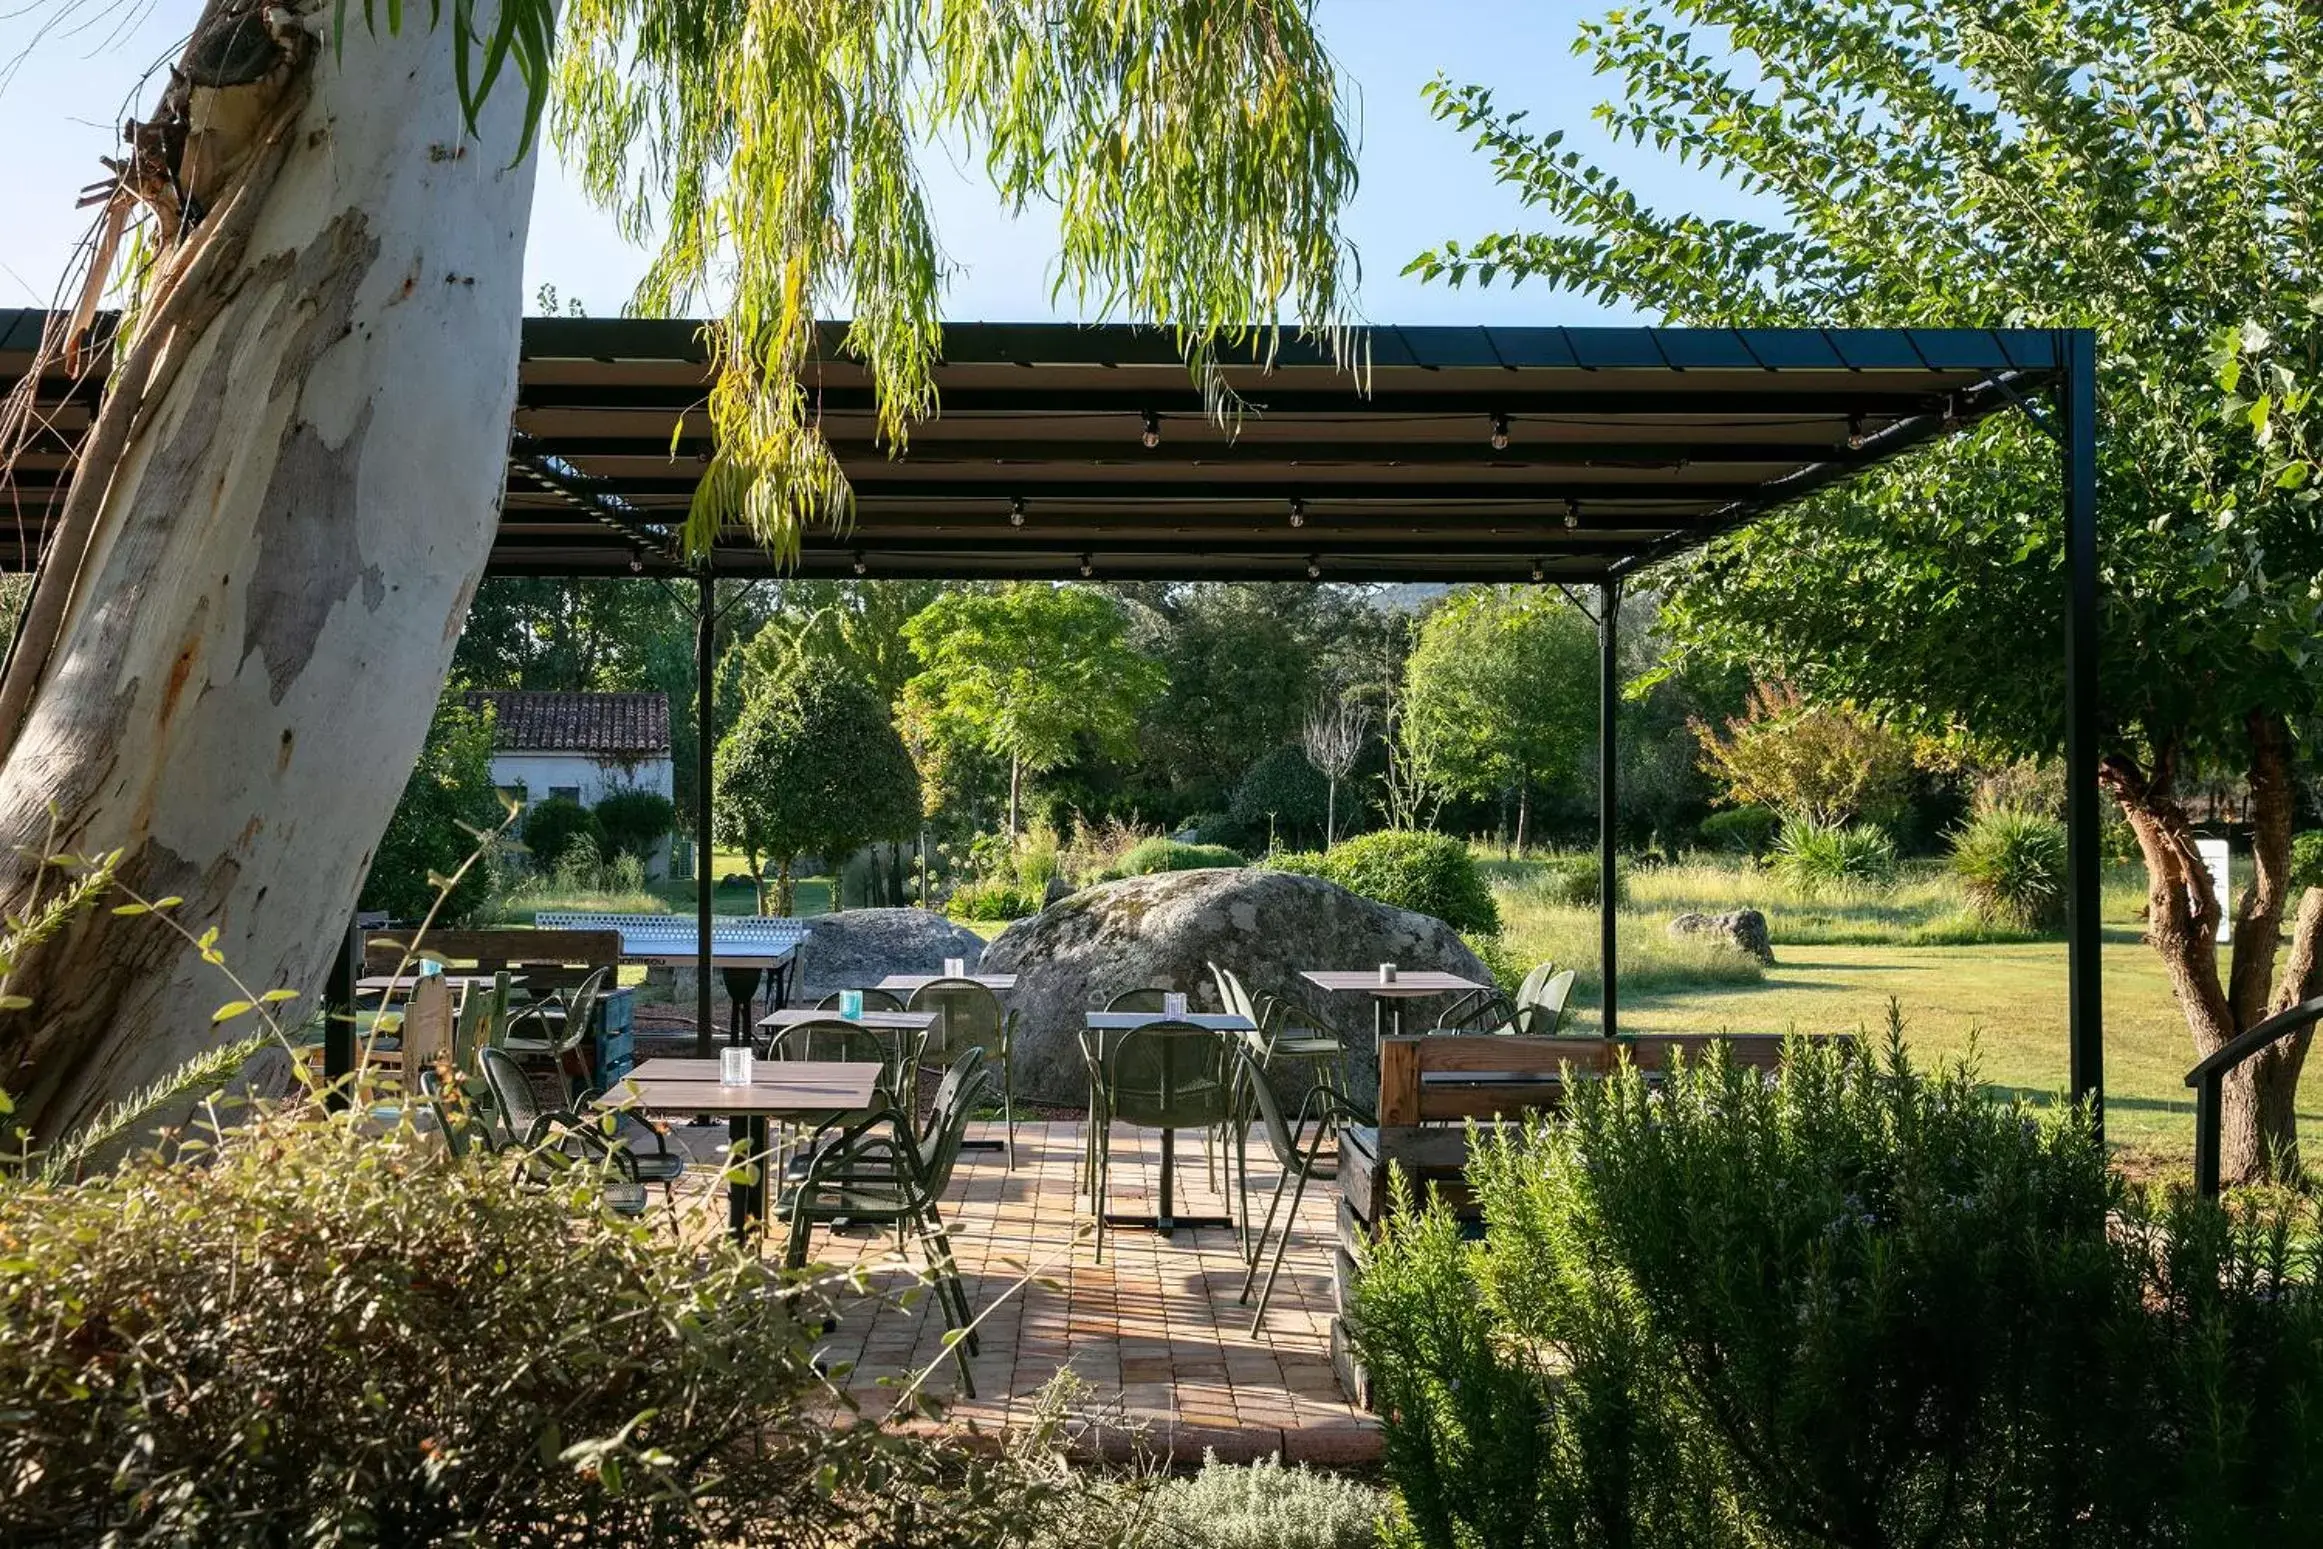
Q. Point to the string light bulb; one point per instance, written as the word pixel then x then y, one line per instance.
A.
pixel 1088 566
pixel 636 560
pixel 1572 512
pixel 1314 567
pixel 1152 436
pixel 1855 436
pixel 861 564
pixel 1016 510
pixel 1500 432
pixel 1298 512
pixel 1540 571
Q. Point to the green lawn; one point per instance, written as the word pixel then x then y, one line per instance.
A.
pixel 2008 995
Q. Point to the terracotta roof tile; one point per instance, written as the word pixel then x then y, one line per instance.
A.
pixel 527 721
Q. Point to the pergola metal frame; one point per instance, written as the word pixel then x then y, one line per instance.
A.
pixel 1574 456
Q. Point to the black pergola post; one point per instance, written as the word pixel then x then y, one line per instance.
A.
pixel 705 698
pixel 339 1014
pixel 2084 932
pixel 1608 726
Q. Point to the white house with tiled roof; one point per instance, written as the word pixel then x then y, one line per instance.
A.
pixel 581 746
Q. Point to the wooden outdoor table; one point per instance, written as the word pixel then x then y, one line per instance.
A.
pixel 803 1092
pixel 1101 1023
pixel 908 985
pixel 1387 999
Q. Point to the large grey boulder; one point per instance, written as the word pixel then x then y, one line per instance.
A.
pixel 859 947
pixel 1742 929
pixel 1160 931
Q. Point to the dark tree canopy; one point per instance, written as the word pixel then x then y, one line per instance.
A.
pixel 447 805
pixel 813 767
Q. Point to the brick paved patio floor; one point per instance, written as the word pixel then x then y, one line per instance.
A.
pixel 1157 1325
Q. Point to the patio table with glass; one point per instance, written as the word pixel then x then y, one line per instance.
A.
pixel 808 1093
pixel 1103 1031
pixel 1388 995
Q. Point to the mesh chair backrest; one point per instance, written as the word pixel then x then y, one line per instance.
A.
pixel 1534 983
pixel 1137 1000
pixel 1169 1075
pixel 964 1086
pixel 1548 1008
pixel 581 1006
pixel 511 1091
pixel 968 1016
pixel 873 1000
pixel 1232 994
pixel 1252 1076
pixel 835 1038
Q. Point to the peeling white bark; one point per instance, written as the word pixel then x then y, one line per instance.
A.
pixel 279 570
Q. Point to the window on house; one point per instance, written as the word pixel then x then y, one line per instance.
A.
pixel 570 793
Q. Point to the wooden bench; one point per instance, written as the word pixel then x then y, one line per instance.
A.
pixel 549 960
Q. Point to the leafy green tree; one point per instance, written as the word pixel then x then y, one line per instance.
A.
pixel 448 805
pixel 1280 800
pixel 1501 695
pixel 1027 672
pixel 858 624
pixel 813 767
pixel 1824 764
pixel 2145 171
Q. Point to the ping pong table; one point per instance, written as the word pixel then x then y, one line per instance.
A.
pixel 747 950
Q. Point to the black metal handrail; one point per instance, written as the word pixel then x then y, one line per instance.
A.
pixel 2209 1080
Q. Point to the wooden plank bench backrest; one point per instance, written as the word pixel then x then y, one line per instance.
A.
pixel 1512 1075
pixel 549 959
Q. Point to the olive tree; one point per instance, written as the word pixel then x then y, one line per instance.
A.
pixel 250 593
pixel 2148 171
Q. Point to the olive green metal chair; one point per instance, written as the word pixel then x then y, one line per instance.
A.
pixel 1537 1009
pixel 1288 1033
pixel 553 1029
pixel 969 1016
pixel 879 1172
pixel 1167 1076
pixel 546 1142
pixel 1143 1001
pixel 1297 1144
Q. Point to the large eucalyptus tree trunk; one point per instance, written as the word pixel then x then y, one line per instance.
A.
pixel 250 602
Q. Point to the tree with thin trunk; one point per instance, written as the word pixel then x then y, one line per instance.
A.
pixel 251 591
pixel 1028 672
pixel 2146 171
pixel 1333 738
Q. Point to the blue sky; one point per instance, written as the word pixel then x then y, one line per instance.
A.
pixel 1420 181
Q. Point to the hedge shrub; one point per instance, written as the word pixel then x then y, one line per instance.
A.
pixel 306 1334
pixel 1570 881
pixel 1148 856
pixel 995 900
pixel 635 822
pixel 1812 856
pixel 553 827
pixel 1743 830
pixel 1407 869
pixel 1856 1305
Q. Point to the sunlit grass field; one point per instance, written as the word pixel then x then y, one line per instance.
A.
pixel 1842 957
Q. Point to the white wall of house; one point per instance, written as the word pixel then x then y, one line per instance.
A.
pixel 588 779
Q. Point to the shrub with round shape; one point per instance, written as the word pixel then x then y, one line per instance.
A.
pixel 1412 869
pixel 553 827
pixel 1148 856
pixel 634 821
